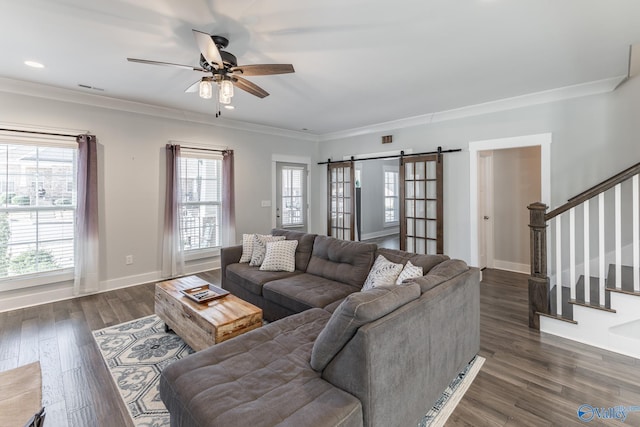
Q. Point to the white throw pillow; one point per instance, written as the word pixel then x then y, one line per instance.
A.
pixel 260 248
pixel 409 271
pixel 383 273
pixel 280 256
pixel 247 247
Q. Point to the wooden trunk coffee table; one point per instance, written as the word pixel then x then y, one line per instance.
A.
pixel 203 324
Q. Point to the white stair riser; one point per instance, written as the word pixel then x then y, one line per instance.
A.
pixel 594 326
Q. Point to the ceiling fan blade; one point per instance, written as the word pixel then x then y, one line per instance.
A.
pixel 194 87
pixel 247 86
pixel 263 69
pixel 208 49
pixel 167 64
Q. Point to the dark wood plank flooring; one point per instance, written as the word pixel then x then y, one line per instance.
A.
pixel 529 379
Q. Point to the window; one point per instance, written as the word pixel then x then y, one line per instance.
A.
pixel 391 212
pixel 293 196
pixel 201 197
pixel 37 208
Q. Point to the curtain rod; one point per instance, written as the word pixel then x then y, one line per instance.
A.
pixel 401 155
pixel 38 133
pixel 203 149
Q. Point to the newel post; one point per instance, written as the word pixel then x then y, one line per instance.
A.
pixel 538 281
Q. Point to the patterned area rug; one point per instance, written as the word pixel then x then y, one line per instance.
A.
pixel 136 352
pixel 443 408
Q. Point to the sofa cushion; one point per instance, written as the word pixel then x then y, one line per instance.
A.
pixel 305 245
pixel 305 291
pixel 383 273
pixel 341 260
pixel 409 271
pixel 280 256
pixel 260 248
pixel 440 273
pixel 261 378
pixel 251 278
pixel 427 262
pixel 356 310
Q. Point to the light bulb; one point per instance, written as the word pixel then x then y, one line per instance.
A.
pixel 226 88
pixel 224 99
pixel 206 89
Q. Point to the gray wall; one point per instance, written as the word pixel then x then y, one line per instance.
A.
pixel 131 180
pixel 594 137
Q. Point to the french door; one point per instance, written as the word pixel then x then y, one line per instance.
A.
pixel 421 206
pixel 341 200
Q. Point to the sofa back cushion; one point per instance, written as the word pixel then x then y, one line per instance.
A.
pixel 356 310
pixel 341 260
pixel 427 262
pixel 305 245
pixel 441 273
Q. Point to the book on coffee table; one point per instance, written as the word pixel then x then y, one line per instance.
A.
pixel 205 293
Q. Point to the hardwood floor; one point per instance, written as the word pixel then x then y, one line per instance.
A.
pixel 529 379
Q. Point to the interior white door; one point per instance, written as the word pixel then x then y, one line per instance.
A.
pixel 485 209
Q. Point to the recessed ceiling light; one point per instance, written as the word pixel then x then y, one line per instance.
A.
pixel 229 107
pixel 33 64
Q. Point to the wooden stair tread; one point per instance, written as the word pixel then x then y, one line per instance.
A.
pixel 591 305
pixel 622 291
pixel 551 316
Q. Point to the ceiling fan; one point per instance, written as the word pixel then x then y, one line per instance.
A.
pixel 224 70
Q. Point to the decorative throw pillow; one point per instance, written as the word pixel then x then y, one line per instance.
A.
pixel 409 271
pixel 356 310
pixel 383 273
pixel 280 256
pixel 247 247
pixel 260 248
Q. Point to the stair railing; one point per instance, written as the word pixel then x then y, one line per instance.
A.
pixel 542 254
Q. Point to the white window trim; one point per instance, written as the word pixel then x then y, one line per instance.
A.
pixel 201 253
pixel 36 279
pixel 395 169
pixel 51 277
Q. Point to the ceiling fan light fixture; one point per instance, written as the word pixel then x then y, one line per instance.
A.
pixel 205 89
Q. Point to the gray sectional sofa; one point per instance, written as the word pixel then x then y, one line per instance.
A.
pixel 332 355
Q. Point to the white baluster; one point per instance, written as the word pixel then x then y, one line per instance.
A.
pixel 572 252
pixel 601 260
pixel 618 208
pixel 587 257
pixel 559 265
pixel 636 233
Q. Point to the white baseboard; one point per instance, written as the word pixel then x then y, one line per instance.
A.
pixel 381 233
pixel 63 291
pixel 512 266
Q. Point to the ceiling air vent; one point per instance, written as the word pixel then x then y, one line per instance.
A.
pixel 387 139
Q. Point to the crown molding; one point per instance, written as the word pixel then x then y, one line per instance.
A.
pixel 544 97
pixel 67 95
pixel 38 90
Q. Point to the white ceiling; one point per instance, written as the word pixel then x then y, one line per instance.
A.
pixel 358 63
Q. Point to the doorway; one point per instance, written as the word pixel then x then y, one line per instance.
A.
pixel 291 196
pixel 487 200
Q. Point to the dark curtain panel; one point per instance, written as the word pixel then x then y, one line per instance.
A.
pixel 87 277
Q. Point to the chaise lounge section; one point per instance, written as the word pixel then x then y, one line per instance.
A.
pixel 379 357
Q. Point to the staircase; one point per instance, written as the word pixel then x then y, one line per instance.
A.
pixel 595 235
